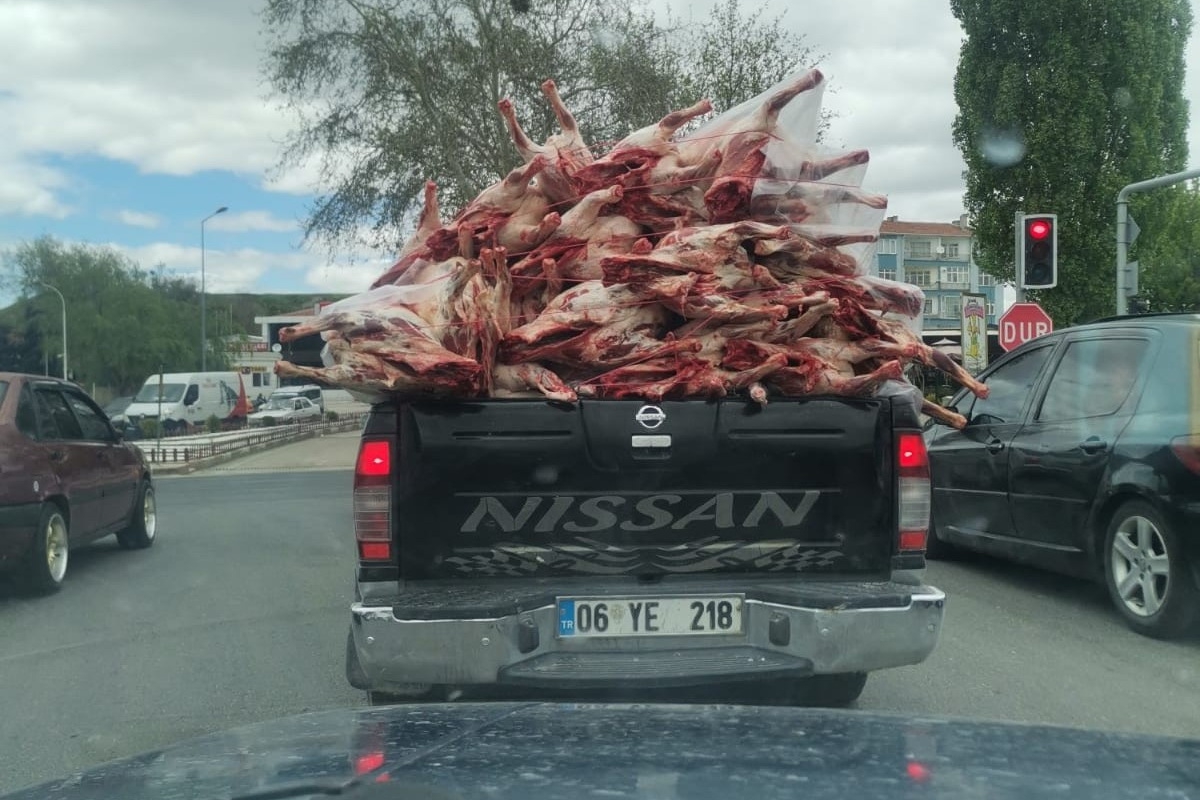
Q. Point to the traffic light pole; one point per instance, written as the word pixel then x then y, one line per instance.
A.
pixel 1017 245
pixel 1123 225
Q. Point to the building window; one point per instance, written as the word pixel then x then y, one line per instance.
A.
pixel 952 307
pixel 991 309
pixel 888 272
pixel 952 250
pixel 920 249
pixel 888 246
pixel 955 277
pixel 919 277
pixel 930 306
pixel 985 279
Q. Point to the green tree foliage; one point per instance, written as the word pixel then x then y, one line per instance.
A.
pixel 1060 105
pixel 21 345
pixel 391 93
pixel 122 322
pixel 1169 254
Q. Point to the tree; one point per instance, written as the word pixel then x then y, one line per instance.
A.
pixel 390 93
pixel 1060 105
pixel 734 56
pixel 1169 254
pixel 21 346
pixel 123 323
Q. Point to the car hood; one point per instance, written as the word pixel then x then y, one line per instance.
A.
pixel 271 413
pixel 549 750
pixel 147 409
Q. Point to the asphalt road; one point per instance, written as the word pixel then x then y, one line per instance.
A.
pixel 238 614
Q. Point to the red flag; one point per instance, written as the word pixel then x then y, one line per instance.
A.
pixel 242 409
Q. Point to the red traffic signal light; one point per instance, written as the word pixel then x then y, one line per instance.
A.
pixel 1037 251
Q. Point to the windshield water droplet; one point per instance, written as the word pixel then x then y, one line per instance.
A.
pixel 1002 148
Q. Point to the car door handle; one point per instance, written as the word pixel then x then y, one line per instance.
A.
pixel 994 445
pixel 57 455
pixel 1093 444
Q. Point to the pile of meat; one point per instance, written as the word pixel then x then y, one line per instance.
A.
pixel 726 260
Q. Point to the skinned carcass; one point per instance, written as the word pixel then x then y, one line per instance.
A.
pixel 726 261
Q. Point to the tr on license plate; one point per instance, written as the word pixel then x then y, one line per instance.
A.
pixel 649 616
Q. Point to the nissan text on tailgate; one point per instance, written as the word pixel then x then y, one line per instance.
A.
pixel 614 544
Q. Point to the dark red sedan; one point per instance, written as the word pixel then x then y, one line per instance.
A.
pixel 66 478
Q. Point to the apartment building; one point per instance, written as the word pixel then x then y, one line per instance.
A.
pixel 936 256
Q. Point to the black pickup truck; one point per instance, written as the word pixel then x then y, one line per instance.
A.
pixel 620 544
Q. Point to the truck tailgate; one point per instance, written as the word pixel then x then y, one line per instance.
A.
pixel 518 488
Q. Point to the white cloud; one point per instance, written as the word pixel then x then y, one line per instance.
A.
pixel 138 219
pixel 243 221
pixel 169 87
pixel 31 189
pixel 238 270
pixel 251 269
pixel 346 278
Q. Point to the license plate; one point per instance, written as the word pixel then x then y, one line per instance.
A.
pixel 649 616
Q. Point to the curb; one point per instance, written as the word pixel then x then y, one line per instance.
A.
pixel 188 467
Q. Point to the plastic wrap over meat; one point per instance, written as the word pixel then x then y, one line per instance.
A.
pixel 728 261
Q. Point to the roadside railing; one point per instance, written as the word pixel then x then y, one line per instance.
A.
pixel 175 453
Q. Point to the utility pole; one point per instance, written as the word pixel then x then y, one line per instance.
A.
pixel 64 327
pixel 1020 298
pixel 203 303
pixel 1123 233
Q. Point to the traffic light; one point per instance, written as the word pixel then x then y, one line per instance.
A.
pixel 1039 251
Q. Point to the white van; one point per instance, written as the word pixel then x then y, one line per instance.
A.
pixel 188 399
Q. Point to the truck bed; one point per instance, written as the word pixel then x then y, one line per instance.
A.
pixel 524 488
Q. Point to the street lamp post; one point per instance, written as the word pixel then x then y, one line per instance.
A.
pixel 203 303
pixel 64 321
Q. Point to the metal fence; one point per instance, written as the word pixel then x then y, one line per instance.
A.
pixel 168 453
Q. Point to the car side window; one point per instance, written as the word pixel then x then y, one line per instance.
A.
pixel 1093 379
pixel 1008 388
pixel 55 409
pixel 192 395
pixel 27 421
pixel 91 420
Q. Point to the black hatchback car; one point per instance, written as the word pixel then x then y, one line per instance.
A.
pixel 1085 459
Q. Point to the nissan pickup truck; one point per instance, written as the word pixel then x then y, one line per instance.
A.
pixel 618 544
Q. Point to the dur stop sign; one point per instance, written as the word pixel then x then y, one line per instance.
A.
pixel 1022 322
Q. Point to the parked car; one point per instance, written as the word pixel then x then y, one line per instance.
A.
pixel 66 478
pixel 309 390
pixel 116 408
pixel 115 411
pixel 1085 459
pixel 283 410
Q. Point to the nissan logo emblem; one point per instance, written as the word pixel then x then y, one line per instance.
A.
pixel 650 417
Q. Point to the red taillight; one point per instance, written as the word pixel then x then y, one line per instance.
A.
pixel 373 500
pixel 911 452
pixel 1187 450
pixel 374 551
pixel 374 459
pixel 912 492
pixel 368 762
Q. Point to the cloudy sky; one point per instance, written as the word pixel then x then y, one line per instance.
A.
pixel 125 122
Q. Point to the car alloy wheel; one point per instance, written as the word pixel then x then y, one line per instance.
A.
pixel 57 547
pixel 1141 566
